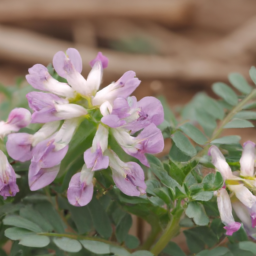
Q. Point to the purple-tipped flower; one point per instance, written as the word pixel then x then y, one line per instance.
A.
pixel 8 186
pixel 20 145
pixel 101 58
pixel 128 177
pixel 150 141
pixel 80 189
pixel 133 115
pixel 48 107
pixel 48 154
pixel 93 157
pixel 122 88
pixel 17 119
pixel 69 66
pixel 225 209
pixel 40 79
pixel 220 163
pixel 248 159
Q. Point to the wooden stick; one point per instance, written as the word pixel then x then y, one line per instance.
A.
pixel 30 48
pixel 173 12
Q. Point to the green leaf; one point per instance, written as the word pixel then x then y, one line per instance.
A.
pixel 240 83
pixel 196 211
pixel 100 219
pixel 21 222
pixel 163 194
pixel 168 115
pixel 218 251
pixel 251 115
pixel 119 251
pixel 238 123
pixel 123 228
pixel 35 241
pixel 198 237
pixel 173 249
pixel 186 222
pixel 177 155
pixel 29 213
pixel 217 227
pixel 252 73
pixel 248 246
pixel 142 253
pixel 225 92
pixel 67 244
pixel 206 121
pixel 203 196
pixel 175 172
pixel 131 242
pixel 51 215
pixel 194 133
pixel 236 251
pixel 233 139
pixel 95 246
pixel 16 233
pixel 212 181
pixel 183 143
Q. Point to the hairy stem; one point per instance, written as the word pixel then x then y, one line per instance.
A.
pixel 170 231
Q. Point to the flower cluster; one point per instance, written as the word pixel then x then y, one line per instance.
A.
pixel 240 184
pixel 63 106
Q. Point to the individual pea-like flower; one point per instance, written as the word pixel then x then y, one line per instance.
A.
pixel 248 159
pixel 128 177
pixel 20 145
pixel 133 115
pixel 40 79
pixel 93 157
pixel 80 189
pixel 48 154
pixel 123 88
pixel 236 184
pixel 17 119
pixel 69 66
pixel 150 140
pixel 49 107
pixel 225 210
pixel 8 186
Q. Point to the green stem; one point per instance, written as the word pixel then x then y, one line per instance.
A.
pixel 170 231
pixel 151 238
pixel 217 132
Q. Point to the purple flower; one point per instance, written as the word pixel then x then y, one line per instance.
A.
pixel 8 186
pixel 133 115
pixel 248 159
pixel 80 189
pixel 128 177
pixel 44 165
pixel 220 163
pixel 19 145
pixel 93 156
pixel 100 57
pixel 48 154
pixel 40 79
pixel 17 119
pixel 150 141
pixel 48 107
pixel 225 210
pixel 122 88
pixel 69 66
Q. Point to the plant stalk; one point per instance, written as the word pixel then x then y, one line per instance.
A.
pixel 170 231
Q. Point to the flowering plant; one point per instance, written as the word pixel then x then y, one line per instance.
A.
pixel 74 171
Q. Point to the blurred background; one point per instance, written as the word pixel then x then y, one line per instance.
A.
pixel 176 47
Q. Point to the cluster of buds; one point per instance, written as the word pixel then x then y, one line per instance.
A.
pixel 61 109
pixel 240 184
